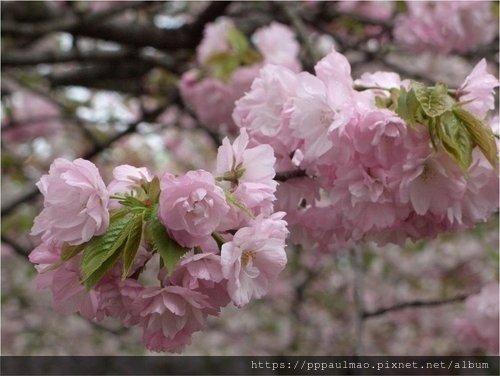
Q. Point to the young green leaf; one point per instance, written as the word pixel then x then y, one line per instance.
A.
pixel 237 40
pixel 154 190
pixel 435 101
pixel 102 248
pixel 433 133
pixel 170 251
pixel 105 267
pixel 132 245
pixel 223 65
pixel 481 134
pixel 455 139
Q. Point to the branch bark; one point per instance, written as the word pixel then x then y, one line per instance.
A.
pixel 414 304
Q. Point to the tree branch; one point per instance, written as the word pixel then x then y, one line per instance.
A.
pixel 65 22
pixel 34 192
pixel 16 247
pixel 288 175
pixel 414 304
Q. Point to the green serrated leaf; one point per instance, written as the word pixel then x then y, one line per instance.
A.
pixel 170 251
pixel 105 267
pixel 237 40
pixel 455 139
pixel 70 251
pixel 434 101
pixel 433 133
pixel 401 107
pixel 104 247
pixel 154 189
pixel 132 244
pixel 222 65
pixel 413 108
pixel 480 133
pixel 250 57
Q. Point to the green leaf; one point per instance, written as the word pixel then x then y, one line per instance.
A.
pixel 401 107
pixel 105 267
pixel 435 101
pixel 154 190
pixel 250 57
pixel 170 251
pixel 237 40
pixel 481 134
pixel 132 245
pixel 223 65
pixel 70 251
pixel 433 133
pixel 455 139
pixel 103 248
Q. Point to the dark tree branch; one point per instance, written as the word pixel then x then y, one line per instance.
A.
pixel 288 175
pixel 65 22
pixel 34 192
pixel 16 247
pixel 21 58
pixel 414 304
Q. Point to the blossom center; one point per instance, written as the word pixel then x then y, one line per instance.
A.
pixel 427 173
pixel 247 257
pixel 326 117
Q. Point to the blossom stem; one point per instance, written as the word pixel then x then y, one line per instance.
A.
pixel 218 238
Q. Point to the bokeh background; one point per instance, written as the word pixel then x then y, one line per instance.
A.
pixel 99 80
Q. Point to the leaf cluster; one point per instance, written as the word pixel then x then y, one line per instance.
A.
pixel 223 64
pixel 451 128
pixel 136 223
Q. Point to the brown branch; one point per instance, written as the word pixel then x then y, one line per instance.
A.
pixel 21 58
pixel 65 22
pixel 16 247
pixel 288 175
pixel 415 304
pixel 34 192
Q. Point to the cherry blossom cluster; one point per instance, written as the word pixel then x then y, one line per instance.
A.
pixel 366 160
pixel 217 237
pixel 446 26
pixel 226 66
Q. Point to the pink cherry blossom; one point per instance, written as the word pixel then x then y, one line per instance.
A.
pixel 75 202
pixel 446 26
pixel 203 273
pixel 170 312
pixel 248 173
pixel 212 99
pixel 191 206
pixel 478 88
pixel 68 294
pixel 126 178
pixel 319 109
pixel 278 45
pixel 265 110
pixel 214 40
pixel 254 258
pixel 431 181
pixel 377 10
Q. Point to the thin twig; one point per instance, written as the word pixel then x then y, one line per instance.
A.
pixel 414 304
pixel 16 247
pixel 288 175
